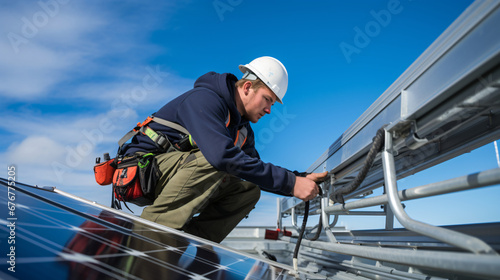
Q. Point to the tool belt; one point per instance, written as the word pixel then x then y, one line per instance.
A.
pixel 134 179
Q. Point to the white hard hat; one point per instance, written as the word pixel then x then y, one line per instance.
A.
pixel 270 71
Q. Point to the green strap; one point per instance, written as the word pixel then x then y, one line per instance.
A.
pixel 151 134
pixel 144 161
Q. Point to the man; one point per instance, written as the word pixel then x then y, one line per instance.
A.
pixel 210 182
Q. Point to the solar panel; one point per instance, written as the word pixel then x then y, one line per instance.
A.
pixel 48 234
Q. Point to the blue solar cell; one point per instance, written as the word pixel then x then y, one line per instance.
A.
pixel 59 237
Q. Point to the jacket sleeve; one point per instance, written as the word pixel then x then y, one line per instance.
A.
pixel 204 115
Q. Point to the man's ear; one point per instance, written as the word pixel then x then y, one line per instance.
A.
pixel 246 87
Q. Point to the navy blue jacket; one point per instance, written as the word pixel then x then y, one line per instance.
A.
pixel 203 111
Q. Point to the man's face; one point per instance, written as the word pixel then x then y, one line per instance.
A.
pixel 259 103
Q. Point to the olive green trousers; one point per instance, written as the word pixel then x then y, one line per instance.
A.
pixel 191 195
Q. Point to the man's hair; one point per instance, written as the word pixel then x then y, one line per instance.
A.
pixel 256 84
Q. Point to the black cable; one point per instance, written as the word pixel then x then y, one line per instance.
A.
pixel 318 232
pixel 303 228
pixel 301 234
pixel 320 222
pixel 378 141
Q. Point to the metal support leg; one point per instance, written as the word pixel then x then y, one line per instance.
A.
pixel 454 238
pixel 294 219
pixel 326 220
pixel 389 217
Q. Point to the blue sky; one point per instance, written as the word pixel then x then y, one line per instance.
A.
pixel 77 75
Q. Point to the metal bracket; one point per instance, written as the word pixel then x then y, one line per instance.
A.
pixel 413 142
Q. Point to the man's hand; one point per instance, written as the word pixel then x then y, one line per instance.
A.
pixel 306 188
pixel 317 177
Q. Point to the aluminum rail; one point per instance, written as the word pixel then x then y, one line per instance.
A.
pixel 480 265
pixel 353 213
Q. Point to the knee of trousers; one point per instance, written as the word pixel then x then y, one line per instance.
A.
pixel 253 193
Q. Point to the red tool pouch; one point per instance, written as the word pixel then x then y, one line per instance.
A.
pixel 126 182
pixel 104 172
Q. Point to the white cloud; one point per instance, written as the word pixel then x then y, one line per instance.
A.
pixel 69 129
pixel 64 162
pixel 34 72
pixel 135 88
pixel 57 150
pixel 47 43
pixel 34 150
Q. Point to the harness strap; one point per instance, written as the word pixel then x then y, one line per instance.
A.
pixel 126 137
pixel 134 131
pixel 163 142
pixel 159 139
pixel 171 125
